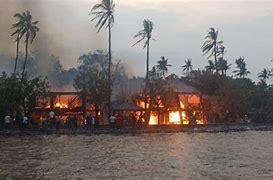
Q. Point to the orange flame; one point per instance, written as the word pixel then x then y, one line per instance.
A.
pixel 60 105
pixel 153 119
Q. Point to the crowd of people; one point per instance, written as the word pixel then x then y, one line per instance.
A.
pixel 51 121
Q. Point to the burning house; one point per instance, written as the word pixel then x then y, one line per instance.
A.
pixel 64 104
pixel 184 106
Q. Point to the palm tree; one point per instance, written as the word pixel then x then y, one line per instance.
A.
pixel 221 50
pixel 162 66
pixel 241 67
pixel 104 13
pixel 211 45
pixel 264 75
pixel 187 67
pixel 146 34
pixel 210 67
pixel 223 65
pixel 18 25
pixel 27 28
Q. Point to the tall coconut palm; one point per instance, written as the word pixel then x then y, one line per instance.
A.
pixel 18 25
pixel 104 13
pixel 241 70
pixel 23 26
pixel 162 66
pixel 211 45
pixel 146 35
pixel 187 67
pixel 28 29
pixel 264 75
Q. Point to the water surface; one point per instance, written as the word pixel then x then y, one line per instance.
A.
pixel 240 155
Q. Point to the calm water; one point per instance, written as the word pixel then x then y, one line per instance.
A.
pixel 242 155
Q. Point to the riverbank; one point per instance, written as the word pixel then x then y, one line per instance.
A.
pixel 211 128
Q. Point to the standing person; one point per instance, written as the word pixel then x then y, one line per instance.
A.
pixel 96 123
pixel 112 121
pixel 93 122
pixel 89 122
pixel 25 121
pixel 7 122
pixel 51 115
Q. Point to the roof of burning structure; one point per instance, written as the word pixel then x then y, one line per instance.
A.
pixel 182 87
pixel 127 106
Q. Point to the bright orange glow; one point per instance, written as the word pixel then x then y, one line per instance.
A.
pixel 174 117
pixel 153 119
pixel 60 105
pixel 182 106
pixel 196 117
pixel 142 104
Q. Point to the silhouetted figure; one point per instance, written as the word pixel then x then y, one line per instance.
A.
pixel 112 121
pixel 96 121
pixel 7 122
pixel 89 122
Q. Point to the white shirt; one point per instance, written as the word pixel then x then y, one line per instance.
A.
pixel 112 119
pixel 93 120
pixel 25 119
pixel 51 114
pixel 7 119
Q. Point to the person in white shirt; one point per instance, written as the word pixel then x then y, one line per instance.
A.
pixel 7 121
pixel 112 121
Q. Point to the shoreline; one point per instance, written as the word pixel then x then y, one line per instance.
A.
pixel 209 128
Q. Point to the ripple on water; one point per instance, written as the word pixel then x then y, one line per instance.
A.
pixel 247 155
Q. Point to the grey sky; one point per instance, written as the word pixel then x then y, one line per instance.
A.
pixel 180 26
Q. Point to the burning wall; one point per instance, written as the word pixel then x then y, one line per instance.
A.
pixel 187 111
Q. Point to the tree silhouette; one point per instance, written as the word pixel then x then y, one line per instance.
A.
pixel 18 25
pixel 210 67
pixel 241 70
pixel 162 66
pixel 223 66
pixel 211 45
pixel 187 67
pixel 103 12
pixel 264 75
pixel 146 34
pixel 25 27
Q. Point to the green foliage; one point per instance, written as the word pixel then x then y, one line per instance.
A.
pixel 92 75
pixel 241 70
pixel 206 82
pixel 103 12
pixel 235 96
pixel 146 33
pixel 187 67
pixel 25 27
pixel 264 75
pixel 162 66
pixel 223 65
pixel 17 94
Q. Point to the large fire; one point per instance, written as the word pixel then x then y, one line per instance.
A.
pixel 60 105
pixel 153 119
pixel 177 117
